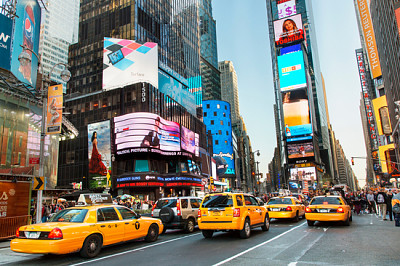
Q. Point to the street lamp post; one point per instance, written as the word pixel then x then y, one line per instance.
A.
pixel 25 58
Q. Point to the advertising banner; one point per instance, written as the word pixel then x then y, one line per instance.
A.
pixel 369 37
pixel 292 74
pixel 296 112
pixel 127 62
pixel 300 150
pixel 14 199
pixel 188 142
pixel 384 157
pixel 99 152
pixel 382 115
pixel 54 109
pixel 286 8
pixel 303 173
pixel 174 89
pixel 397 13
pixel 288 30
pixel 5 42
pixel 26 32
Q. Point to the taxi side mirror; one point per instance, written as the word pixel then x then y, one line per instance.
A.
pixel 138 216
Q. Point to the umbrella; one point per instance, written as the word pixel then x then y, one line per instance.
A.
pixel 125 196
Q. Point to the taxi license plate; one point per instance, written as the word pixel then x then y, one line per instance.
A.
pixel 275 209
pixel 217 213
pixel 323 210
pixel 33 235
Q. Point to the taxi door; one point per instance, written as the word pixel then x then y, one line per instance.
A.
pixel 110 225
pixel 301 207
pixel 251 205
pixel 133 227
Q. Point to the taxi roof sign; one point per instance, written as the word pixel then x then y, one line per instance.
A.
pixel 94 198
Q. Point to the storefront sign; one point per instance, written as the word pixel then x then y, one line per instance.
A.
pixel 14 199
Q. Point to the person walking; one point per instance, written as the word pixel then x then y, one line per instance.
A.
pixel 381 201
pixel 389 197
pixel 371 201
pixel 396 211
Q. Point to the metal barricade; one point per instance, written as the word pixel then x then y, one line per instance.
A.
pixel 9 225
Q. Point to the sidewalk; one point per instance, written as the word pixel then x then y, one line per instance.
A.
pixel 5 243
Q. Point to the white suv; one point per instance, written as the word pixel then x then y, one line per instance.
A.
pixel 177 212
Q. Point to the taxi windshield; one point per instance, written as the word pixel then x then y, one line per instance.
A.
pixel 279 201
pixel 217 201
pixel 326 200
pixel 70 216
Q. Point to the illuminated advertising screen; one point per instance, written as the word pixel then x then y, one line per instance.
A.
pixel 26 32
pixel 290 49
pixel 286 8
pixel 99 152
pixel 127 62
pixel 382 115
pixel 303 173
pixel 397 13
pixel 288 30
pixel 300 150
pixel 292 74
pixel 5 42
pixel 296 113
pixel 54 109
pixel 188 142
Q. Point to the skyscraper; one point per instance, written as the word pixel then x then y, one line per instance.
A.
pixel 229 88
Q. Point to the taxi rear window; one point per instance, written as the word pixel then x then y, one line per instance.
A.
pixel 70 216
pixel 166 203
pixel 325 201
pixel 279 201
pixel 217 201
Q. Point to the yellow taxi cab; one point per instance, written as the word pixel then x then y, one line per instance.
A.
pixel 328 209
pixel 86 228
pixel 232 211
pixel 286 207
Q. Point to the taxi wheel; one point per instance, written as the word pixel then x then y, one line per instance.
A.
pixel 351 217
pixel 265 227
pixel 91 247
pixel 152 234
pixel 245 232
pixel 189 228
pixel 296 218
pixel 310 223
pixel 347 222
pixel 207 233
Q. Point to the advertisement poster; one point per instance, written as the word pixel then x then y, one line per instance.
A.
pixel 288 30
pixel 127 62
pixel 188 142
pixel 303 173
pixel 99 152
pixel 54 109
pixel 14 199
pixel 292 74
pixel 5 42
pixel 296 112
pixel 286 8
pixel 26 32
pixel 300 150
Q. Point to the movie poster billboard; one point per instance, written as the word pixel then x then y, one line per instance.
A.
pixel 288 30
pixel 26 32
pixel 300 150
pixel 286 8
pixel 292 74
pixel 296 113
pixel 5 42
pixel 127 62
pixel 54 109
pixel 99 152
pixel 303 173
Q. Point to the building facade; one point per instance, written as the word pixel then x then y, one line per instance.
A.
pixel 229 88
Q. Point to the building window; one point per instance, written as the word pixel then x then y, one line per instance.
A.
pixel 226 107
pixel 208 106
pixel 205 114
pixel 218 106
pixel 227 133
pixel 219 132
pixel 141 166
pixel 224 115
pixel 216 142
pixel 212 122
pixel 215 113
pixel 222 123
pixel 229 123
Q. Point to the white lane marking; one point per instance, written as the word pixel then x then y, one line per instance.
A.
pixel 292 264
pixel 309 246
pixel 371 220
pixel 134 250
pixel 259 245
pixel 325 229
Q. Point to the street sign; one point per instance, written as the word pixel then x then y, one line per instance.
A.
pixel 38 183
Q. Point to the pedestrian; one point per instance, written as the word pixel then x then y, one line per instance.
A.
pixel 371 202
pixel 138 205
pixel 381 201
pixel 357 203
pixel 389 204
pixel 395 207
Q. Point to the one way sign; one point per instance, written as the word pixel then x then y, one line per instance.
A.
pixel 38 183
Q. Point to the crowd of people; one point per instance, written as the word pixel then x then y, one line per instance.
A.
pixel 49 208
pixel 134 204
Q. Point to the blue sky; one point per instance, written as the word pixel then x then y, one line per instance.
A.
pixel 242 36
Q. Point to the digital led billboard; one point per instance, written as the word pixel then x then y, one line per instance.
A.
pixel 303 173
pixel 300 150
pixel 286 8
pixel 188 142
pixel 127 62
pixel 54 109
pixel 292 74
pixel 296 112
pixel 382 115
pixel 290 49
pixel 288 30
pixel 5 41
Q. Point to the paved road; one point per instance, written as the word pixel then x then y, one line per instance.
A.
pixel 368 241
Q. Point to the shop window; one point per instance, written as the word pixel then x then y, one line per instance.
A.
pixel 141 166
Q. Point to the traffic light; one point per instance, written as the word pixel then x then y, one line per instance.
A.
pixel 352 161
pixel 253 173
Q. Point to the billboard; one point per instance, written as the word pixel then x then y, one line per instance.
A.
pixel 188 141
pixel 286 8
pixel 397 13
pixel 175 89
pixel 369 37
pixel 382 115
pixel 300 150
pixel 127 62
pixel 384 157
pixel 288 30
pixel 5 42
pixel 26 32
pixel 54 109
pixel 292 74
pixel 296 113
pixel 99 152
pixel 290 49
pixel 303 173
